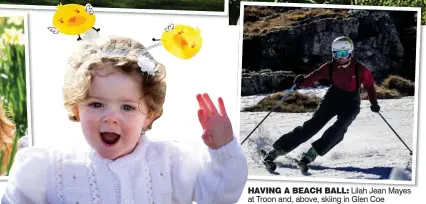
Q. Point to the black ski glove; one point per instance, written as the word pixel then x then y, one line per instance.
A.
pixel 299 80
pixel 375 108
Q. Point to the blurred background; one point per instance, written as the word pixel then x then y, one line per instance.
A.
pixel 13 93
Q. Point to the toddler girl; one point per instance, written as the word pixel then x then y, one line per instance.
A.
pixel 116 91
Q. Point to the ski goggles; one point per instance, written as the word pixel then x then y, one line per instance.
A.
pixel 340 54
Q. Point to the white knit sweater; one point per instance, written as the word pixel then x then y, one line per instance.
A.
pixel 155 172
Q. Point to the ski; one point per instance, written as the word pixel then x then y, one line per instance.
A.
pixel 302 166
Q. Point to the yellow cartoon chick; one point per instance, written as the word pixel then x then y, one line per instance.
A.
pixel 181 40
pixel 73 19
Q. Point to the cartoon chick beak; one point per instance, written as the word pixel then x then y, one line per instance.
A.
pixel 76 21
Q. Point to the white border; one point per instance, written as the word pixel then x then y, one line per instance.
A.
pixel 416 96
pixel 127 10
pixel 417 81
pixel 27 78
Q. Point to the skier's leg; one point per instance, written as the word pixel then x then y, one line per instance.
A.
pixel 309 156
pixel 334 134
pixel 300 134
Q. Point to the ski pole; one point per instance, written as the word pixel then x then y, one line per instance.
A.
pixel 276 105
pixel 411 153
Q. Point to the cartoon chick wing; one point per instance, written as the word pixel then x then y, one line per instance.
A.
pixel 73 19
pixel 181 40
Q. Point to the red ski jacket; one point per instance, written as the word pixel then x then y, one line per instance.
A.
pixel 344 78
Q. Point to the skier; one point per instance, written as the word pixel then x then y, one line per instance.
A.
pixel 342 99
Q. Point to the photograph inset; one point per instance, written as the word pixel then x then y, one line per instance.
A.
pixel 179 5
pixel 14 114
pixel 329 92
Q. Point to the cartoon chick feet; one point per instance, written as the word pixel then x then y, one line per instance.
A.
pixel 215 123
pixel 74 19
pixel 182 41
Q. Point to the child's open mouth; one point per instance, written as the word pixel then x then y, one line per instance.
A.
pixel 110 138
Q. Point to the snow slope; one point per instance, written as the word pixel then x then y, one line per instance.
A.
pixel 369 150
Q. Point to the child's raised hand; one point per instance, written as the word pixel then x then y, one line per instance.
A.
pixel 216 125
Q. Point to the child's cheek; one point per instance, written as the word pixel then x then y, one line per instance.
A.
pixel 91 121
pixel 132 127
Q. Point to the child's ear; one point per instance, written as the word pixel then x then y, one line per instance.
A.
pixel 76 113
pixel 151 117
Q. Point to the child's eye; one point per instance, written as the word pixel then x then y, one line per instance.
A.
pixel 96 105
pixel 128 107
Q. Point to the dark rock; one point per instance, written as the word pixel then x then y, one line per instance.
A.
pixel 305 46
pixel 266 82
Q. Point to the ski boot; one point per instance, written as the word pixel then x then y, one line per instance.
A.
pixel 269 157
pixel 303 166
pixel 307 158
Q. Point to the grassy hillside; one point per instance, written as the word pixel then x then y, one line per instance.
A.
pixel 234 5
pixel 261 20
pixel 393 87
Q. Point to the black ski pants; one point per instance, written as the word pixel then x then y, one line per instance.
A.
pixel 336 102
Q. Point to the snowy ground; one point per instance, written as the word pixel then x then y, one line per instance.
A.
pixel 369 150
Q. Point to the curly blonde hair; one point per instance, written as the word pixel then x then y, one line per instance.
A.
pixel 7 128
pixel 121 53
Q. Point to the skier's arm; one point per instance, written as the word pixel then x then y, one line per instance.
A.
pixel 316 75
pixel 368 83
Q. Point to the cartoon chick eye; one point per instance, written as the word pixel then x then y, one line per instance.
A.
pixel 182 41
pixel 73 19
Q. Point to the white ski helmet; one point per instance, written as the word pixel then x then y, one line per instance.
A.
pixel 342 43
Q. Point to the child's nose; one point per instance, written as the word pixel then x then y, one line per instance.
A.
pixel 110 117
